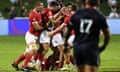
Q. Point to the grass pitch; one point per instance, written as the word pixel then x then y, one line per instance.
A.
pixel 12 46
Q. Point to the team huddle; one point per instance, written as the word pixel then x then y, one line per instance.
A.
pixel 61 28
pixel 47 28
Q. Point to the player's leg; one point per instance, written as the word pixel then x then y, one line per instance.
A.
pixel 80 68
pixel 60 49
pixel 92 59
pixel 18 60
pixel 89 68
pixel 31 44
pixel 32 51
pixel 58 42
pixel 69 57
pixel 88 57
pixel 21 57
pixel 94 68
pixel 44 43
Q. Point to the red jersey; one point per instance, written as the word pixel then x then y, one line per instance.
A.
pixel 34 17
pixel 46 14
pixel 66 21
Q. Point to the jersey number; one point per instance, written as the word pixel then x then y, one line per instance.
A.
pixel 85 22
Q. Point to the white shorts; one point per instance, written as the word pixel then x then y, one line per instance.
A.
pixel 71 39
pixel 44 38
pixel 30 38
pixel 57 40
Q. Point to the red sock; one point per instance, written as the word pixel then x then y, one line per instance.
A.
pixel 36 56
pixel 27 59
pixel 41 57
pixel 67 62
pixel 72 60
pixel 21 58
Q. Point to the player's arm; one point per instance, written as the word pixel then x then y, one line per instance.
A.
pixel 61 12
pixel 57 29
pixel 55 20
pixel 106 34
pixel 51 17
pixel 37 26
pixel 34 22
pixel 66 20
pixel 57 16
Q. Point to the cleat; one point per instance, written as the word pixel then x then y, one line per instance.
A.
pixel 15 66
pixel 26 70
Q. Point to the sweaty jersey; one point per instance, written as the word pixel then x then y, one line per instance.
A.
pixel 34 17
pixel 87 24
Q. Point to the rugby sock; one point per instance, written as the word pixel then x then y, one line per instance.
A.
pixel 36 56
pixel 72 60
pixel 68 64
pixel 21 58
pixel 27 59
pixel 41 57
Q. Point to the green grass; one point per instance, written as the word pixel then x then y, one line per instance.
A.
pixel 12 46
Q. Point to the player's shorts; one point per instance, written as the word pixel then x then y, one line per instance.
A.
pixel 57 40
pixel 71 39
pixel 86 53
pixel 30 38
pixel 44 38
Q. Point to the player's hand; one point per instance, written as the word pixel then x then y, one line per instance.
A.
pixel 102 48
pixel 63 11
pixel 50 33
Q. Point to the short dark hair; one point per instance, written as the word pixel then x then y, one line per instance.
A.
pixel 92 2
pixel 74 7
pixel 54 3
pixel 37 3
pixel 70 3
pixel 81 1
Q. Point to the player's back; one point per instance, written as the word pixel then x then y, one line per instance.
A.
pixel 87 24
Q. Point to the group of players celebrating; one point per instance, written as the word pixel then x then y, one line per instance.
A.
pixel 62 28
pixel 48 28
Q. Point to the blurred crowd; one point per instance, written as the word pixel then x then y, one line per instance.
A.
pixel 114 9
pixel 12 11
